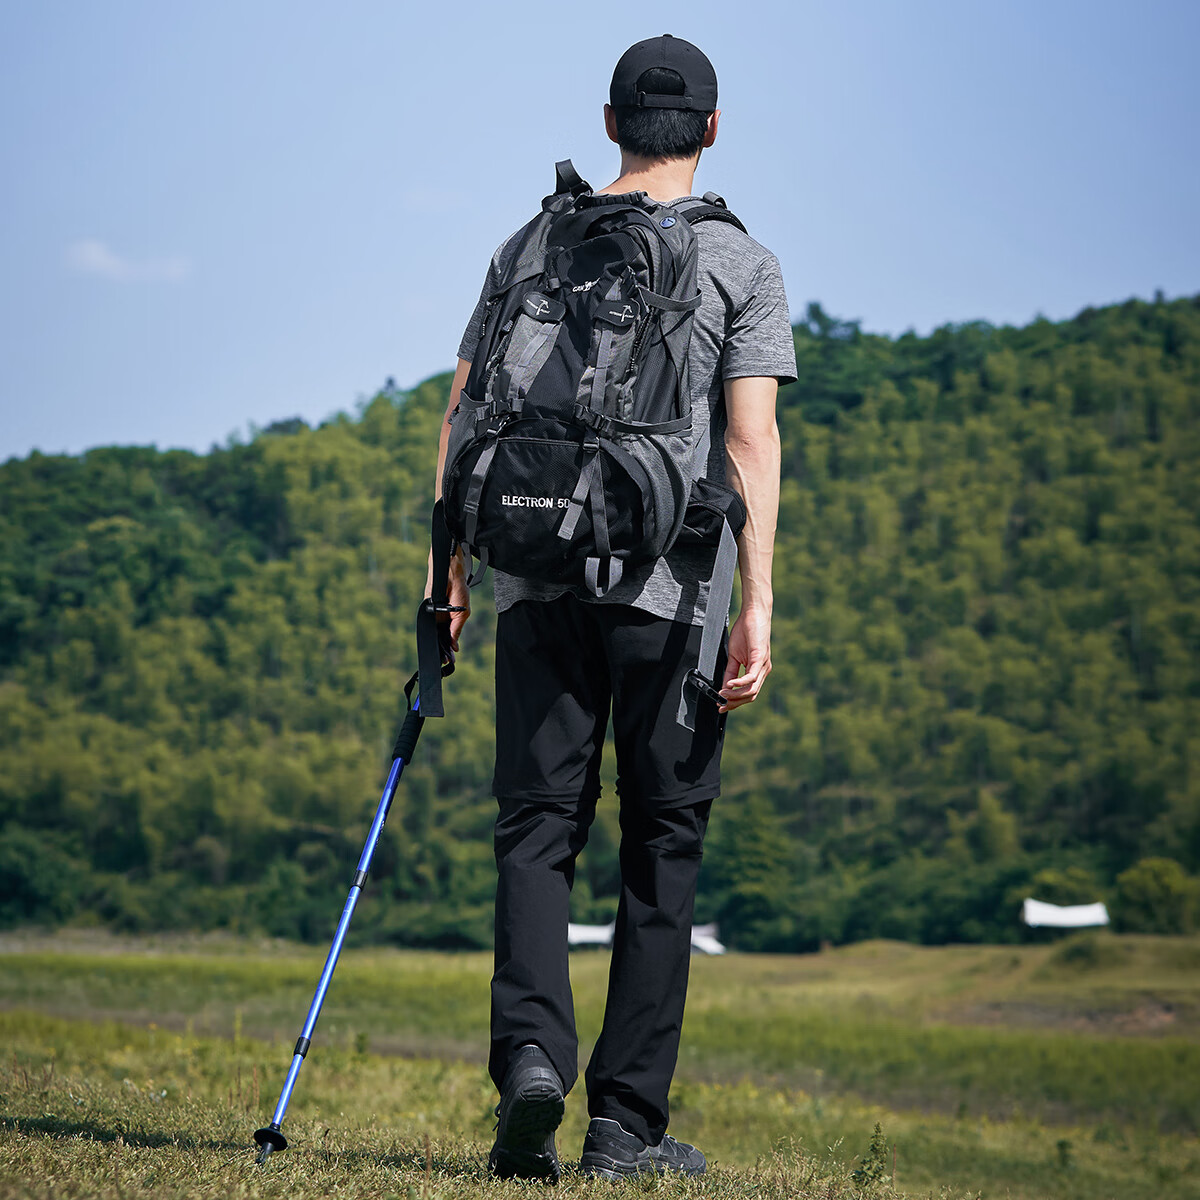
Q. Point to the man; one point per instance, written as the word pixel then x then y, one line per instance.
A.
pixel 563 655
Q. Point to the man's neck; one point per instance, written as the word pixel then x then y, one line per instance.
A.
pixel 662 179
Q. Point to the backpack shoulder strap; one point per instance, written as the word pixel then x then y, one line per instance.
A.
pixel 710 212
pixel 711 208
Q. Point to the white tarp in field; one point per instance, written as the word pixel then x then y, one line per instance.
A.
pixel 704 937
pixel 1071 916
pixel 590 935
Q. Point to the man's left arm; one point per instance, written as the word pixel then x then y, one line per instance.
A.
pixel 752 463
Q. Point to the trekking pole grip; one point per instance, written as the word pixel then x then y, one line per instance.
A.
pixel 406 739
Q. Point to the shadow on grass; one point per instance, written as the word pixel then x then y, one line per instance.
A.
pixel 459 1165
pixel 58 1127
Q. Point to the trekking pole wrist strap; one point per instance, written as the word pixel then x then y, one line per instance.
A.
pixel 435 658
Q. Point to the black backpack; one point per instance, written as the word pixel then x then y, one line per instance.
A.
pixel 571 448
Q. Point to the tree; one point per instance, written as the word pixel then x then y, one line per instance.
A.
pixel 1156 896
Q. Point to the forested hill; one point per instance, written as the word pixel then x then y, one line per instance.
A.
pixel 986 684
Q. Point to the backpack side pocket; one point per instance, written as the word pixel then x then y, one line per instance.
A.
pixel 710 505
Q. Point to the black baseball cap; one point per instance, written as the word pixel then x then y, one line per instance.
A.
pixel 674 54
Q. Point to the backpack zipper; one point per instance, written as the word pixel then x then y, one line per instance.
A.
pixel 639 335
pixel 494 362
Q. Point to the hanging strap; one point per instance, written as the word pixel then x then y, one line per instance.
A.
pixel 591 567
pixel 702 680
pixel 591 575
pixel 566 528
pixel 599 509
pixel 434 656
pixel 483 464
pixel 589 489
pixel 475 578
pixel 567 179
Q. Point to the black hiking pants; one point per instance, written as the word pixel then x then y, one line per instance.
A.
pixel 560 665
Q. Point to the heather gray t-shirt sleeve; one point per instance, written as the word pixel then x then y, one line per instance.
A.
pixel 491 281
pixel 759 338
pixel 474 329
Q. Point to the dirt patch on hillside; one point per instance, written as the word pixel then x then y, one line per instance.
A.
pixel 1146 1018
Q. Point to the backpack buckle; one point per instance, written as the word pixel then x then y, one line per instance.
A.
pixel 492 424
pixel 705 687
pixel 599 424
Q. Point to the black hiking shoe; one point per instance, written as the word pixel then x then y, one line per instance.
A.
pixel 530 1109
pixel 611 1152
pixel 670 1155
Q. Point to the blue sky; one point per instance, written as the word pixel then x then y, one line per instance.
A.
pixel 224 213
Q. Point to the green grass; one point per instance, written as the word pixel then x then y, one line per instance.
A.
pixel 885 1022
pixel 142 1069
pixel 108 1110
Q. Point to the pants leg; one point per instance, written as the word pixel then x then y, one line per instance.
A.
pixel 667 779
pixel 630 1072
pixel 552 701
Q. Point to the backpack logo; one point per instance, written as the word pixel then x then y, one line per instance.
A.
pixel 541 308
pixel 667 222
pixel 583 287
pixel 534 501
pixel 621 316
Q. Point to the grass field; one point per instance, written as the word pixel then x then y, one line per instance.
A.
pixel 140 1068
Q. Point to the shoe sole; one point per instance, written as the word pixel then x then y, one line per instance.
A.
pixel 537 1111
pixel 600 1166
pixel 603 1167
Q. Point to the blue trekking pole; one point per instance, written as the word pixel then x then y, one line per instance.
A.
pixel 435 660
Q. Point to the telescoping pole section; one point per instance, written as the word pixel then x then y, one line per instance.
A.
pixel 271 1137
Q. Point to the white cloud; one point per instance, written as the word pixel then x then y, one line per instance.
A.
pixel 89 256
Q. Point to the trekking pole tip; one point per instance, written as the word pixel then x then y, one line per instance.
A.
pixel 269 1138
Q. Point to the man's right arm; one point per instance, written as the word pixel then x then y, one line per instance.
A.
pixel 752 461
pixel 758 354
pixel 458 591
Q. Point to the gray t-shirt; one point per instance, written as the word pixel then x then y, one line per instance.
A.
pixel 741 328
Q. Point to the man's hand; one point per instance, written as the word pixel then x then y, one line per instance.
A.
pixel 749 648
pixel 457 593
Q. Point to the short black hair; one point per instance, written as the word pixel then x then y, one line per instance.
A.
pixel 660 132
